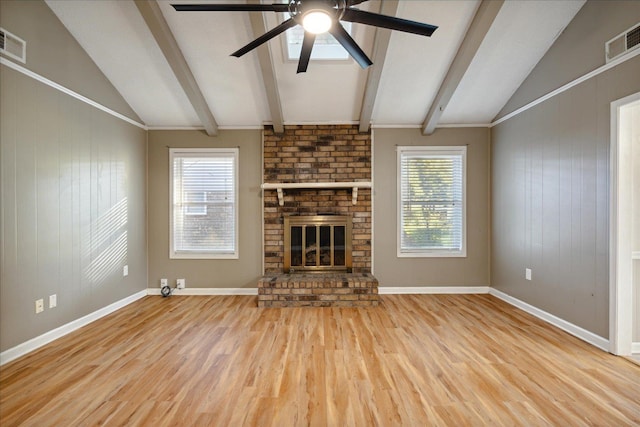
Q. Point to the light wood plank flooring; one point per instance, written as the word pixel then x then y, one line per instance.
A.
pixel 415 360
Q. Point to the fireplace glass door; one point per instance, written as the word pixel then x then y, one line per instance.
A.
pixel 317 243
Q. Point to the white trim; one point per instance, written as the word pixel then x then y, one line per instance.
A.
pixel 69 92
pixel 327 123
pixel 620 220
pixel 635 255
pixel 391 126
pixel 176 128
pixel 242 127
pixel 431 151
pixel 207 291
pixel 233 153
pixel 464 125
pixel 635 348
pixel 403 290
pixel 227 127
pixel 567 86
pixel 37 342
pixel 576 331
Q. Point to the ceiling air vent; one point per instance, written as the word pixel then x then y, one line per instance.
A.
pixel 13 46
pixel 623 43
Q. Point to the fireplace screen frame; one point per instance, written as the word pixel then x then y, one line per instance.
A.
pixel 317 221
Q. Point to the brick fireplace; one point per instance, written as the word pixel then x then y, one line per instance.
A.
pixel 317 154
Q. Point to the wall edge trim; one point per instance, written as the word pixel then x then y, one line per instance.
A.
pixel 567 86
pixel 52 335
pixel 206 291
pixel 404 290
pixel 576 331
pixel 65 90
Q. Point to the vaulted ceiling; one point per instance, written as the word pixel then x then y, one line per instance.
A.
pixel 175 69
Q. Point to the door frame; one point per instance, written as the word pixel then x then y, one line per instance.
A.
pixel 620 240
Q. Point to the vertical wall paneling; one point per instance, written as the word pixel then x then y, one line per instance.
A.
pixel 550 190
pixel 550 183
pixel 73 208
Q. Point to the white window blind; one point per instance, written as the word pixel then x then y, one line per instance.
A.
pixel 431 201
pixel 204 209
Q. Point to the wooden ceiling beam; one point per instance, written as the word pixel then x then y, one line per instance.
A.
pixel 152 15
pixel 380 47
pixel 268 71
pixel 480 25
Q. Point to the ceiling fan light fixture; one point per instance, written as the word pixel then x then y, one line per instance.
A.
pixel 316 21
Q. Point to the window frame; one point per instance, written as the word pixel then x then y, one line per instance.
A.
pixel 204 152
pixel 430 150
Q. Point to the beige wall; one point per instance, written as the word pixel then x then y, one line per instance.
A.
pixel 579 49
pixel 550 182
pixel 72 186
pixel 73 208
pixel 392 271
pixel 53 53
pixel 236 273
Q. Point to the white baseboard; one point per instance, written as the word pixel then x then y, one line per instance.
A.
pixel 207 291
pixel 390 290
pixel 574 330
pixel 635 348
pixel 37 342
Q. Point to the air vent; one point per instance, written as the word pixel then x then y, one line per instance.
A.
pixel 623 43
pixel 13 46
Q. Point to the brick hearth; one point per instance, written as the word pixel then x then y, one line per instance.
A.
pixel 311 154
pixel 318 290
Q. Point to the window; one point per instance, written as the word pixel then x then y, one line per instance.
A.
pixel 325 46
pixel 204 208
pixel 196 203
pixel 431 201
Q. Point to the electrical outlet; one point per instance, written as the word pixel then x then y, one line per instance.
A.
pixel 53 301
pixel 125 271
pixel 39 306
pixel 180 283
pixel 527 273
pixel 163 283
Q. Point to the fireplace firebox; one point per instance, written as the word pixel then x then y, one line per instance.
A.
pixel 319 243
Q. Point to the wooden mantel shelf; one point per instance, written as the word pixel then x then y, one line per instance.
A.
pixel 280 187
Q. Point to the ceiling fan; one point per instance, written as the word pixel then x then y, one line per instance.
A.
pixel 316 17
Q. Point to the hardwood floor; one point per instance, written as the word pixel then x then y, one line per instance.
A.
pixel 414 360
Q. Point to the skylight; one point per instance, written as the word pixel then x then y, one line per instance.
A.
pixel 324 48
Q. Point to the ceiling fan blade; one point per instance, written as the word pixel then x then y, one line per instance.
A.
pixel 355 2
pixel 265 37
pixel 390 22
pixel 305 53
pixel 341 35
pixel 231 7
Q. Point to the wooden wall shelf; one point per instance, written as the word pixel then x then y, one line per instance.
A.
pixel 280 187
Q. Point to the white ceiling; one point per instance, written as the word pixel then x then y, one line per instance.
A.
pixel 117 38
